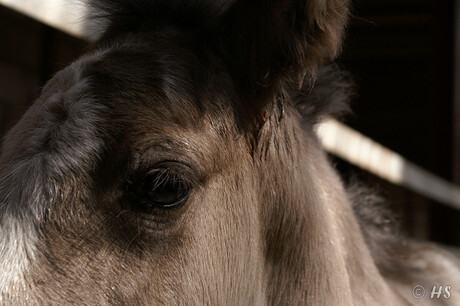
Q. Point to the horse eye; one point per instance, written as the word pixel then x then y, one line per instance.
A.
pixel 164 190
pixel 159 188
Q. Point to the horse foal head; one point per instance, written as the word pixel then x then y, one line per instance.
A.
pixel 170 165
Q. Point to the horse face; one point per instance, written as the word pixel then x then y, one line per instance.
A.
pixel 130 191
pixel 149 170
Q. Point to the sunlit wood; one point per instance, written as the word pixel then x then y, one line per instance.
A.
pixel 367 154
pixel 67 16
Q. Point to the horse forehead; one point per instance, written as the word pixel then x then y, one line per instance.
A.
pixel 64 132
pixel 66 129
pixel 67 118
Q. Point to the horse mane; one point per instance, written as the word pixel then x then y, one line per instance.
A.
pixel 379 226
pixel 329 97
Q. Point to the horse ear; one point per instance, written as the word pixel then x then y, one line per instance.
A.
pixel 267 41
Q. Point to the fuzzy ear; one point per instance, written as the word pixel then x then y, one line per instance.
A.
pixel 267 41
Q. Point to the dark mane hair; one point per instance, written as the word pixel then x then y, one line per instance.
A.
pixel 295 55
pixel 328 97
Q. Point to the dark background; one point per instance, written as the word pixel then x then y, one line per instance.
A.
pixel 401 54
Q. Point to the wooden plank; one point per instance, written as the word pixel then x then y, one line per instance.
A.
pixel 367 154
pixel 67 16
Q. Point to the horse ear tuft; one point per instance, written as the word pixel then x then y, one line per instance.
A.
pixel 269 41
pixel 328 98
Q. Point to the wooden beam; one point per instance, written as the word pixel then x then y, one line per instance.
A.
pixel 367 154
pixel 67 16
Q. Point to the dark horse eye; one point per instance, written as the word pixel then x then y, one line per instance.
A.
pixel 161 189
pixel 164 190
